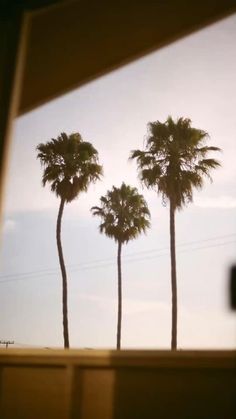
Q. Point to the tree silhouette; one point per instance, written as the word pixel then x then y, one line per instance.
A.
pixel 124 215
pixel 174 161
pixel 69 166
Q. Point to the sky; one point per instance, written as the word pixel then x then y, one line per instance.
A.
pixel 193 78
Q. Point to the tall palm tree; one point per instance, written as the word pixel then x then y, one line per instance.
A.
pixel 69 166
pixel 174 161
pixel 124 215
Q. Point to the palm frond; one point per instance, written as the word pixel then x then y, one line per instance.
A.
pixel 175 159
pixel 123 212
pixel 70 165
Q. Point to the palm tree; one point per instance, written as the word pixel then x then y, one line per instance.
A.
pixel 125 215
pixel 175 161
pixel 69 166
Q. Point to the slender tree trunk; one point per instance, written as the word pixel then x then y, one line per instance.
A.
pixel 64 278
pixel 173 278
pixel 118 344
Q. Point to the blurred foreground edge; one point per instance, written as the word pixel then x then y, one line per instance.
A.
pixel 117 384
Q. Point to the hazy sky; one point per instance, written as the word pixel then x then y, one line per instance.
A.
pixel 194 78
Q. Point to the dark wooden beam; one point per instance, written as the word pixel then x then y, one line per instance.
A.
pixel 76 41
pixel 12 42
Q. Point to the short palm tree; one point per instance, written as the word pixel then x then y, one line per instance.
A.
pixel 124 215
pixel 174 161
pixel 70 165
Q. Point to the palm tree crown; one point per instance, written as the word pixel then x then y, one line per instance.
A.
pixel 175 160
pixel 124 213
pixel 70 164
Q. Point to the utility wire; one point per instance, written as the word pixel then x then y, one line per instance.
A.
pixel 87 265
pixel 92 265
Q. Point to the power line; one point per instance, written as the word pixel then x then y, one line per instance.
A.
pixel 186 250
pixel 93 265
pixel 132 258
pixel 87 265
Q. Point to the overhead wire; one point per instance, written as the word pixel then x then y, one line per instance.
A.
pixel 85 264
pixel 129 258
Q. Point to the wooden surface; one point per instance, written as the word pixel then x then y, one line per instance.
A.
pixel 117 385
pixel 112 358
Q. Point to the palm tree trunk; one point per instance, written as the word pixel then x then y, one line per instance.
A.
pixel 173 277
pixel 119 297
pixel 64 278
